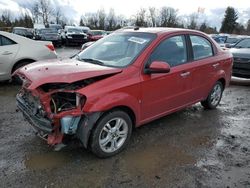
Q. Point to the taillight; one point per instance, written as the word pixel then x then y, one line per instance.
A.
pixel 51 47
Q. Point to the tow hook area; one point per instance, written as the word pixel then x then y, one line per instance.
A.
pixel 69 124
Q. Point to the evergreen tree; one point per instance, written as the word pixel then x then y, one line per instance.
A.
pixel 81 22
pixel 229 22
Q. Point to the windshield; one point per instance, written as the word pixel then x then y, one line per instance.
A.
pixel 118 49
pixel 232 40
pixel 245 43
pixel 47 31
pixel 74 30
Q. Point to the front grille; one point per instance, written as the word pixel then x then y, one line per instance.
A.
pixel 75 36
pixel 38 121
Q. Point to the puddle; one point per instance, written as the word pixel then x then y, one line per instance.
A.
pixel 47 160
pixel 151 161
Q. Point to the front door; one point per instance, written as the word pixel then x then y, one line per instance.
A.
pixel 166 92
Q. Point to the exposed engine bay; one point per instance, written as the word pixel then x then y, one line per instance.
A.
pixel 55 109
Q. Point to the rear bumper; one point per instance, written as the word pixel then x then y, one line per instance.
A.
pixel 39 123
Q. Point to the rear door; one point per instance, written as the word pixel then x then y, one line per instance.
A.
pixel 163 93
pixel 8 51
pixel 205 66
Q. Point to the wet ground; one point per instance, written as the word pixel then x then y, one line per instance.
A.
pixel 190 148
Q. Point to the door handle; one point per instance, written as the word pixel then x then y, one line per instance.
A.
pixel 6 53
pixel 216 65
pixel 184 74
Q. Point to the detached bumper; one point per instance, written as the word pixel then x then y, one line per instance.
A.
pixel 40 124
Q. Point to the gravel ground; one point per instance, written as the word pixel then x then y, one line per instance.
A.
pixel 190 148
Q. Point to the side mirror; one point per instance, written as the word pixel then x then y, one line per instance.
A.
pixel 227 45
pixel 65 32
pixel 157 67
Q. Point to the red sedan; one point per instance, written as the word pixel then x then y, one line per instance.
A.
pixel 95 35
pixel 123 81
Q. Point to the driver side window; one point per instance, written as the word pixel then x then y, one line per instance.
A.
pixel 172 50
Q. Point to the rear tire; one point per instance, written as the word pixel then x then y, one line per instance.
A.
pixel 214 97
pixel 111 134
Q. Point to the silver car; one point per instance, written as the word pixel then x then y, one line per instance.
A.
pixel 17 51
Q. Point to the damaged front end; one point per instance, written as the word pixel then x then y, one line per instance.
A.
pixel 55 110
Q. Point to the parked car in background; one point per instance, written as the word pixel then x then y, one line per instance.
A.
pixel 95 35
pixel 48 34
pixel 57 27
pixel 17 51
pixel 241 54
pixel 25 32
pixel 74 35
pixel 123 81
pixel 232 40
pixel 84 29
pixel 219 39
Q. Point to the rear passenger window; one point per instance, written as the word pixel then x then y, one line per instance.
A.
pixel 202 48
pixel 172 50
pixel 5 41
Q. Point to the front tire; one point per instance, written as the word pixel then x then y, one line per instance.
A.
pixel 111 134
pixel 214 97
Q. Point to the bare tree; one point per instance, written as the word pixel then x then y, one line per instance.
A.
pixel 168 17
pixel 6 18
pixel 152 15
pixel 111 20
pixel 92 20
pixel 58 15
pixel 101 18
pixel 35 12
pixel 45 11
pixel 192 21
pixel 140 18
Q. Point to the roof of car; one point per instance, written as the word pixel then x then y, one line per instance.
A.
pixel 155 30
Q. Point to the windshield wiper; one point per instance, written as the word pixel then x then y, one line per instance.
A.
pixel 94 61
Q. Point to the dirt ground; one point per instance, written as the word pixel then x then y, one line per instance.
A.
pixel 190 148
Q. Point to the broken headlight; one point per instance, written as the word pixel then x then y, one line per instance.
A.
pixel 64 101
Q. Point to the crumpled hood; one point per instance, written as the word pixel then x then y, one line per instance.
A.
pixel 65 71
pixel 240 52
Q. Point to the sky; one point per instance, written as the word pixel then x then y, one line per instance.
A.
pixel 213 10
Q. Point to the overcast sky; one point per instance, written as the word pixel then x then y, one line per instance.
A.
pixel 213 10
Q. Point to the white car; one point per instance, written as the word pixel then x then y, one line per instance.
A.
pixel 17 51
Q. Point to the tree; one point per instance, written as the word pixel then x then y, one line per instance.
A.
pixel 92 20
pixel 45 11
pixel 81 22
pixel 6 18
pixel 35 12
pixel 58 15
pixel 111 20
pixel 229 22
pixel 203 26
pixel 239 29
pixel 168 17
pixel 140 18
pixel 152 15
pixel 248 27
pixel 101 18
pixel 192 21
